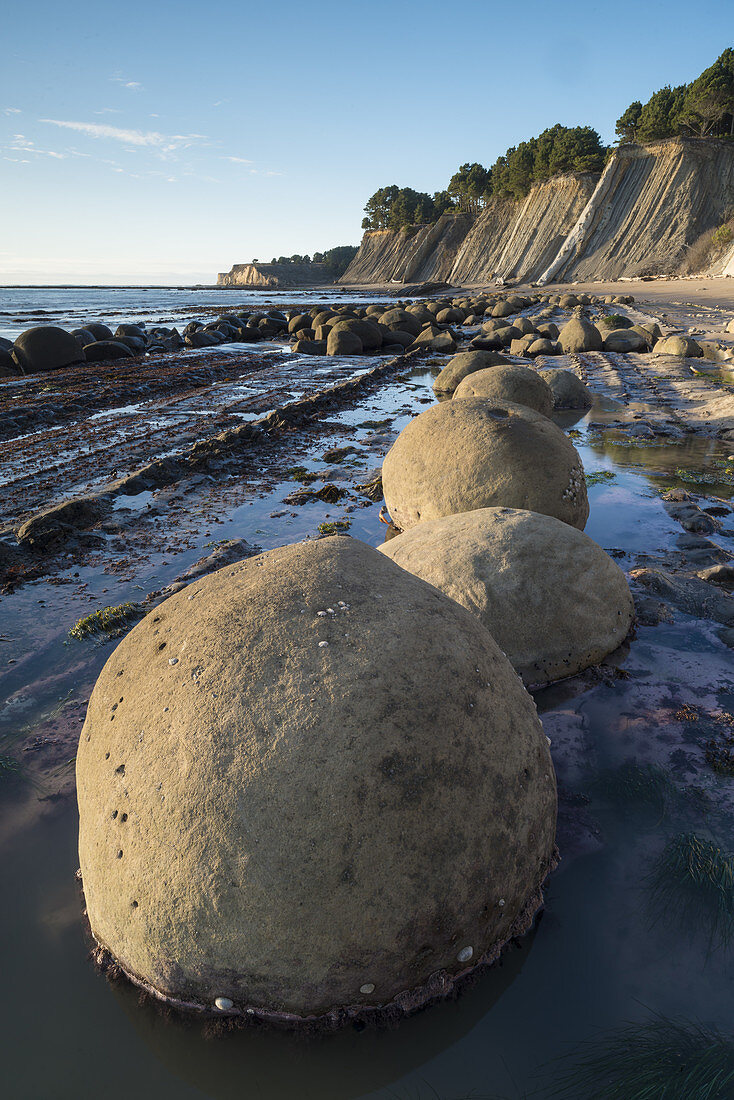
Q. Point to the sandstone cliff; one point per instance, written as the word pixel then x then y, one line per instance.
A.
pixel 652 203
pixel 639 218
pixel 274 275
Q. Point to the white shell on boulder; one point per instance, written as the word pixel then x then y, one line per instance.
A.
pixel 304 817
pixel 553 601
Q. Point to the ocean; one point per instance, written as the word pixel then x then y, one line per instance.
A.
pixel 22 307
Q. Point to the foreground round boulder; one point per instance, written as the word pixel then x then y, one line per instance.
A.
pixel 282 805
pixel 521 385
pixel 468 454
pixel 553 601
pixel 46 347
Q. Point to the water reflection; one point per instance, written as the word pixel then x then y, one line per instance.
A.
pixel 272 1065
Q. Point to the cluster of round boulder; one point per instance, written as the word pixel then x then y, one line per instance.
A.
pixel 313 784
pixel 489 498
pixel 490 322
pixel 49 347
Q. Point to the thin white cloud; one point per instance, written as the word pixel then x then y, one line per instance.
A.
pixel 21 144
pixel 150 139
pixel 108 111
pixel 238 160
pixel 134 85
pixel 11 111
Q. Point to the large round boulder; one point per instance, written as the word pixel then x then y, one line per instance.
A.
pixel 580 335
pixel 368 331
pixel 625 340
pixel 569 392
pixel 99 331
pixel 553 601
pixel 299 321
pixel 46 347
pixel 464 364
pixel 285 808
pixel 342 340
pixel 468 454
pixel 401 321
pixel 513 382
pixel 679 345
pixel 503 309
pixel 100 350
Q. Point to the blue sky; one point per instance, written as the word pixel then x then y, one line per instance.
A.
pixel 162 142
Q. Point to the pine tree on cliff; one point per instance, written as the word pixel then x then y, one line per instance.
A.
pixel 709 101
pixel 626 128
pixel 660 116
pixel 470 186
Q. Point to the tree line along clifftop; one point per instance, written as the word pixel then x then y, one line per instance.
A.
pixel 644 215
pixel 558 206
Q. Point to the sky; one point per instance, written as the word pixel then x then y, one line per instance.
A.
pixel 161 142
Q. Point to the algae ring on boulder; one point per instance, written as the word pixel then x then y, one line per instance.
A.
pixel 311 832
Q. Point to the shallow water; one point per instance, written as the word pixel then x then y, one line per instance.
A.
pixel 72 307
pixel 595 960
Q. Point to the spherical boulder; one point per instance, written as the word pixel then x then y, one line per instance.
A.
pixel 99 331
pixel 625 340
pixel 401 321
pixel 299 321
pixel 569 392
pixel 284 807
pixel 468 454
pixel 46 347
pixel 137 332
pixel 542 346
pixel 553 601
pixel 503 309
pixel 450 316
pixel 343 341
pixel 679 345
pixel 100 350
pixel 464 364
pixel 580 335
pixel 521 385
pixel 368 331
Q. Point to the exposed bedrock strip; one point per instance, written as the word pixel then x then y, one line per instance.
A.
pixel 50 528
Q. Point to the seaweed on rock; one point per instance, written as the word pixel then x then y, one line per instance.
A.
pixel 639 785
pixel 693 879
pixel 661 1059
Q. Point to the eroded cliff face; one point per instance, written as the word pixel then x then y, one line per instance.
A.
pixel 274 275
pixel 514 240
pixel 422 255
pixel 640 217
pixel 652 203
pixel 519 240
